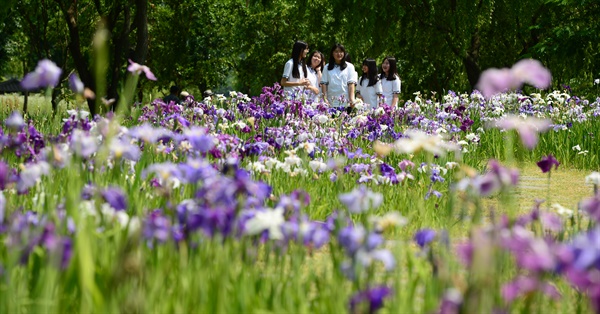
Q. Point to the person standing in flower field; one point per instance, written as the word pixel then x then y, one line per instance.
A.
pixel 338 81
pixel 369 87
pixel 172 97
pixel 390 81
pixel 295 73
pixel 316 63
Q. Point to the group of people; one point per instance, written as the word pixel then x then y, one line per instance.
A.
pixel 336 83
pixel 177 96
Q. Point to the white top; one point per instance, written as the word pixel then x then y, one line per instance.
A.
pixel 287 73
pixel 369 93
pixel 390 88
pixel 337 82
pixel 314 81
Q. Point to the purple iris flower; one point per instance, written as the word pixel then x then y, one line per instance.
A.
pixel 5 175
pixel 424 237
pixel 46 74
pixel 199 140
pixel 67 252
pixel 351 238
pixel 547 162
pixel 115 197
pixel 369 300
pixel 156 228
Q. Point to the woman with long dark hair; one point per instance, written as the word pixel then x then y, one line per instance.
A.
pixel 338 82
pixel 369 88
pixel 316 63
pixel 295 73
pixel 390 81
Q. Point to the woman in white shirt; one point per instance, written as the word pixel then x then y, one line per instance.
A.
pixel 369 87
pixel 316 63
pixel 295 74
pixel 390 81
pixel 338 82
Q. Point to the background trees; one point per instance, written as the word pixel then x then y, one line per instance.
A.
pixel 242 44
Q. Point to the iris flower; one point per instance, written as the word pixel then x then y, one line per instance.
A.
pixel 46 74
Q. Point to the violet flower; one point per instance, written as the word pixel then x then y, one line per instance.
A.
pixel 115 197
pixel 369 300
pixel 46 74
pixel 424 237
pixel 547 162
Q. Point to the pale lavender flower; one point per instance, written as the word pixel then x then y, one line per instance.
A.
pixel 199 140
pixel 527 128
pixel 137 69
pixel 493 81
pixel 83 144
pixel 15 121
pixel 31 174
pixel 361 200
pixel 75 84
pixel 46 74
pixel 532 72
pixel 123 148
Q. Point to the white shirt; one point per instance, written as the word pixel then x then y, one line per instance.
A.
pixel 287 73
pixel 312 77
pixel 390 88
pixel 314 81
pixel 337 81
pixel 370 93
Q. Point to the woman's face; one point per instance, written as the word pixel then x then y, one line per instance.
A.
pixel 365 68
pixel 385 66
pixel 315 61
pixel 338 55
pixel 304 52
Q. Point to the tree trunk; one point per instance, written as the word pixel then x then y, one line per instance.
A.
pixel 69 11
pixel 471 60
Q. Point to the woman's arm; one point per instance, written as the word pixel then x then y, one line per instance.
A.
pixel 324 90
pixel 303 82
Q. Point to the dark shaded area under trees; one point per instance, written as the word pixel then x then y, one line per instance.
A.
pixel 441 45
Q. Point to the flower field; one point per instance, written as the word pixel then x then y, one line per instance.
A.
pixel 273 204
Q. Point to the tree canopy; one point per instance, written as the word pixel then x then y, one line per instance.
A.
pixel 233 44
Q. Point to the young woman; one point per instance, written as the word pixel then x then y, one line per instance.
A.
pixel 316 63
pixel 369 87
pixel 294 72
pixel 390 81
pixel 338 82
